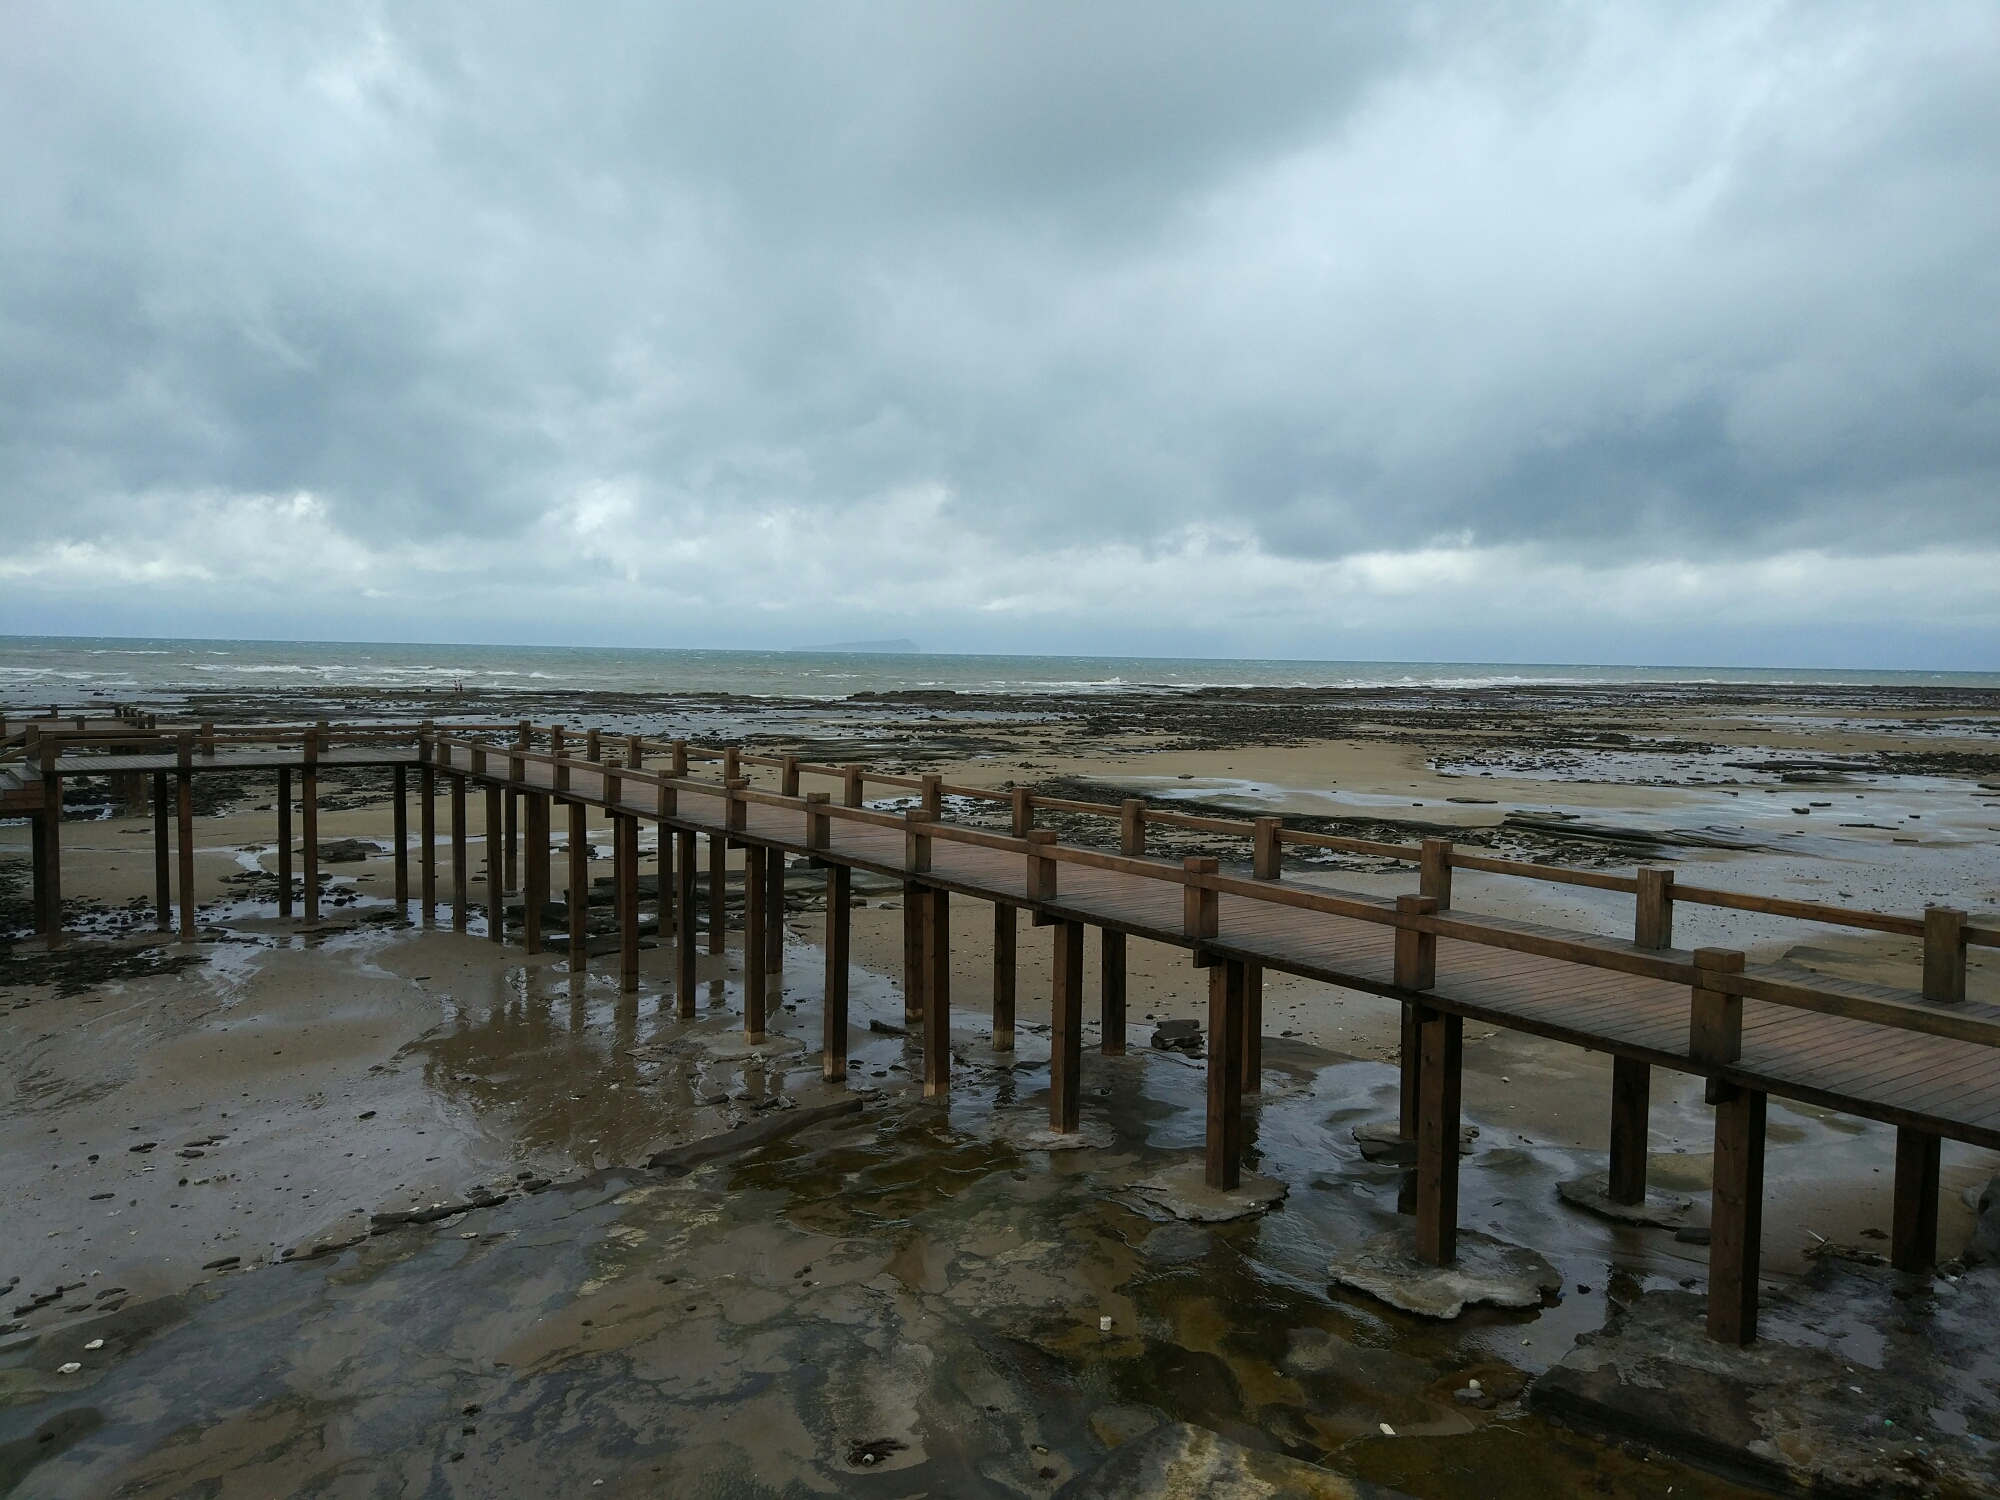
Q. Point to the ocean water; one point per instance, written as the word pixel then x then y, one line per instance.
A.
pixel 36 671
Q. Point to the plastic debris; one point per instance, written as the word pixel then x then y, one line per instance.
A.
pixel 69 1369
pixel 95 1344
pixel 1104 1325
pixel 1387 1430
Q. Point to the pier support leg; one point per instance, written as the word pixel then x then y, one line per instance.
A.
pixel 578 916
pixel 625 835
pixel 458 858
pixel 1111 993
pixel 913 952
pixel 512 875
pixel 1225 1075
pixel 1004 925
pixel 1442 1040
pixel 1631 1099
pixel 754 974
pixel 184 848
pixel 1736 1221
pixel 309 837
pixel 1913 1245
pixel 496 894
pixel 937 993
pixel 427 837
pixel 284 841
pixel 1412 1055
pixel 535 879
pixel 684 949
pixel 1253 1028
pixel 833 1025
pixel 401 833
pixel 163 890
pixel 50 889
pixel 1066 1029
pixel 38 896
pixel 718 892
pixel 774 915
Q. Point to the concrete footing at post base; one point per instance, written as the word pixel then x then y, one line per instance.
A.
pixel 1487 1272
pixel 1657 1210
pixel 1386 1145
pixel 1183 1191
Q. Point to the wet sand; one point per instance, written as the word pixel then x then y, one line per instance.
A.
pixel 366 1068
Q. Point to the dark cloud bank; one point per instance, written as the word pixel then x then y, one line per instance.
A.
pixel 1555 332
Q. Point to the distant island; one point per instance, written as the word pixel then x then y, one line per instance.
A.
pixel 881 648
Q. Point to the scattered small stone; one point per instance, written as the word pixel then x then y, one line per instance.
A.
pixel 223 1264
pixel 94 1344
pixel 68 1369
pixel 366 1114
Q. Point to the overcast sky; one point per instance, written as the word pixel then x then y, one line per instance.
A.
pixel 1542 332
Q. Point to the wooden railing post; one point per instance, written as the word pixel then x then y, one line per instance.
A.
pixel 309 822
pixel 933 796
pixel 208 739
pixel 1434 872
pixel 593 750
pixel 1132 828
pixel 1266 858
pixel 1201 906
pixel 788 777
pixel 1041 866
pixel 1023 813
pixel 1715 1017
pixel 916 843
pixel 819 825
pixel 1944 954
pixel 1736 1218
pixel 852 792
pixel 1653 909
pixel 732 758
pixel 1416 952
pixel 735 810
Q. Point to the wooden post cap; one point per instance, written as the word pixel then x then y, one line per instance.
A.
pixel 818 797
pixel 1417 906
pixel 1194 864
pixel 1719 960
pixel 1041 836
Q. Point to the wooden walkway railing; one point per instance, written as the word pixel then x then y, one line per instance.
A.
pixel 1921 1061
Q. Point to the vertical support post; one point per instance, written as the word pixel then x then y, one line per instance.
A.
pixel 1736 1219
pixel 684 950
pixel 1224 1164
pixel 1066 1029
pixel 1132 828
pixel 933 795
pixel 1266 855
pixel 401 833
pixel 937 994
pixel 788 777
pixel 1111 992
pixel 1415 969
pixel 1443 1041
pixel 38 900
pixel 1434 872
pixel 1201 907
pixel 625 835
pixel 1005 926
pixel 1041 884
pixel 535 878
pixel 309 823
pixel 1253 1028
pixel 1944 954
pixel 511 875
pixel 427 841
pixel 184 834
pixel 496 895
pixel 718 891
pixel 51 890
pixel 1631 1100
pixel 577 918
pixel 458 857
pixel 284 841
pixel 754 975
pixel 1023 813
pixel 833 1024
pixel 1653 908
pixel 914 897
pixel 852 791
pixel 163 896
pixel 774 915
pixel 1913 1244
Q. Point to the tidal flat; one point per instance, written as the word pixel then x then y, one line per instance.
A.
pixel 367 1209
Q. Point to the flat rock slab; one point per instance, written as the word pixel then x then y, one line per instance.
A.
pixel 1182 1192
pixel 1898 1412
pixel 977 1052
pixel 730 1044
pixel 1488 1272
pixel 1385 1143
pixel 1176 1461
pixel 1031 1134
pixel 1658 1210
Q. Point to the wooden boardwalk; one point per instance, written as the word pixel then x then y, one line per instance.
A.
pixel 1920 1061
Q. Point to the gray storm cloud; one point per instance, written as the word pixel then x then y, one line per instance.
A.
pixel 1018 321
